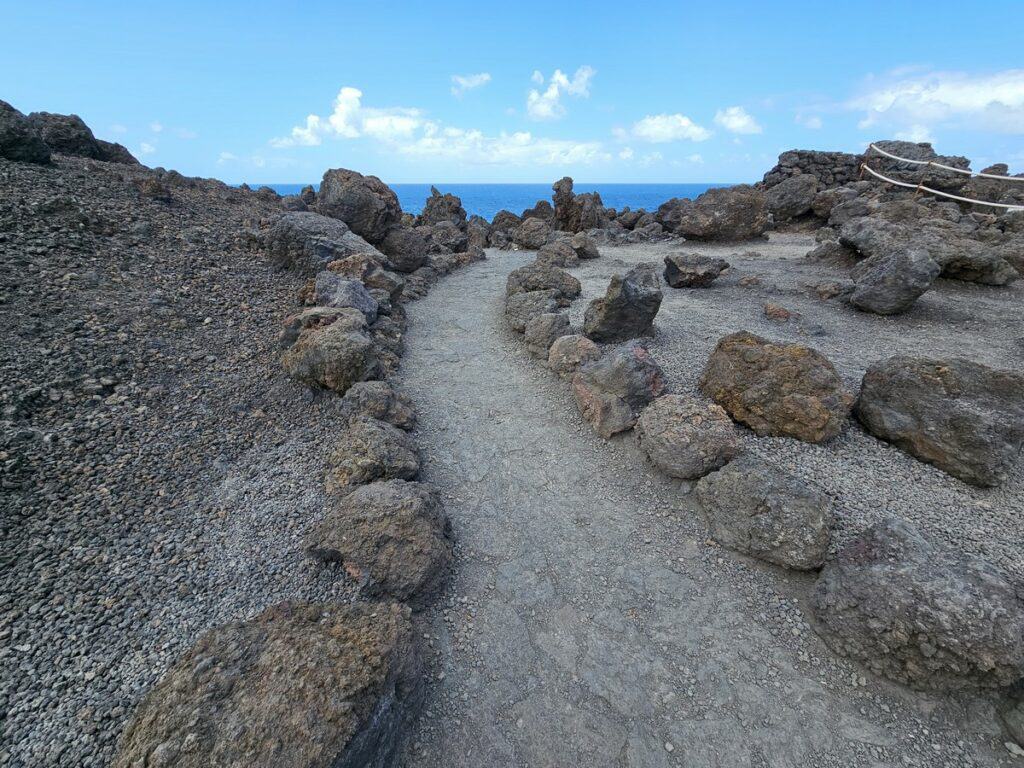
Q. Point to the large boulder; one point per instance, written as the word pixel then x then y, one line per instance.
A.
pixel 369 450
pixel 406 248
pixel 729 213
pixel 964 417
pixel 365 203
pixel 380 400
pixel 334 290
pixel 532 234
pixel 329 348
pixel 585 246
pixel 331 684
pixel 761 511
pixel 446 237
pixel 306 242
pixel 568 353
pixel 923 614
pixel 541 277
pixel 394 537
pixel 542 331
pixel 786 390
pixel 368 269
pixel 438 208
pixel 19 140
pixel 686 438
pixel 542 210
pixel 890 283
pixel 612 390
pixel 792 198
pixel 558 253
pixel 627 309
pixel 503 227
pixel 66 134
pixel 521 308
pixel 692 270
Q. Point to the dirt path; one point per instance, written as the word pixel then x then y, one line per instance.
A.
pixel 590 622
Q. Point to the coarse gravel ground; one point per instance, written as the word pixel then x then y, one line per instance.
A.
pixel 592 622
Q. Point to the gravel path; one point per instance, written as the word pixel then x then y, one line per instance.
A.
pixel 591 622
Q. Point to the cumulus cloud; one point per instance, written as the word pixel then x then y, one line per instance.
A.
pixel 916 103
pixel 547 104
pixel 736 120
pixel 809 121
pixel 408 131
pixel 226 157
pixel 146 148
pixel 463 83
pixel 664 128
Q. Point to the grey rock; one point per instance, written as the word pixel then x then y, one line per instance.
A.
pixel 831 169
pixel 19 140
pixel 520 308
pixel 393 536
pixel 793 197
pixel 446 237
pixel 929 175
pixel 612 390
pixel 380 400
pixel 66 134
pixel 964 417
pixel 628 308
pixel 334 355
pixel 368 450
pixel 920 613
pixel 686 438
pixel 368 269
pixel 438 208
pixel 406 248
pixel 532 233
pixel 569 352
pixel 542 331
pixel 761 511
pixel 365 203
pixel 1012 714
pixel 890 283
pixel 539 277
pixel 558 253
pixel 307 242
pixel 730 213
pixel 585 246
pixel 334 290
pixel 692 270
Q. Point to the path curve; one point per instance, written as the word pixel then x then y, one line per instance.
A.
pixel 590 621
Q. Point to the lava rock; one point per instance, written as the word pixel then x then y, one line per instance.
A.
pixel 920 613
pixel 365 203
pixel 370 450
pixel 406 248
pixel 438 208
pixel 692 270
pixel 558 253
pixel 394 537
pixel 890 283
pixel 327 684
pixel 792 198
pixel 627 309
pixel 19 140
pixel 330 353
pixel 368 270
pixel 612 390
pixel 686 438
pixel 333 290
pixel 532 233
pixel 786 390
pixel 520 308
pixel 380 400
pixel 764 512
pixel 541 277
pixel 964 417
pixel 730 213
pixel 542 331
pixel 585 246
pixel 306 242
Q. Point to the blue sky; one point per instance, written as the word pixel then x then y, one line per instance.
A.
pixel 523 92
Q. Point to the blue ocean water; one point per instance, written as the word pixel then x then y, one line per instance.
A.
pixel 487 199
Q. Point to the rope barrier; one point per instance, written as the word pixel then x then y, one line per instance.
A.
pixel 881 151
pixel 923 188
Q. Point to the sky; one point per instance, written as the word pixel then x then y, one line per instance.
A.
pixel 519 92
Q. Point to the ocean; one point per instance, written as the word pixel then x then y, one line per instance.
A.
pixel 487 199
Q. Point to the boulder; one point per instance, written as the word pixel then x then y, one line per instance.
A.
pixel 540 277
pixel 542 210
pixel 567 214
pixel 406 248
pixel 112 152
pixel 569 352
pixel 627 309
pixel 591 212
pixel 558 253
pixel 792 198
pixel 686 438
pixel 332 684
pixel 786 390
pixel 692 270
pixel 768 514
pixel 438 208
pixel 365 203
pixel 19 140
pixel 890 283
pixel 66 134
pixel 729 213
pixel 612 390
pixel 477 233
pixel 585 246
pixel 964 417
pixel 532 234
pixel 367 269
pixel 541 331
pixel 334 290
pixel 370 450
pixel 520 308
pixel 307 242
pixel 319 317
pixel 380 400
pixel 394 537
pixel 503 227
pixel 920 613
pixel 330 354
pixel 445 237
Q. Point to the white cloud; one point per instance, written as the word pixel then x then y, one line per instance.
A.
pixel 920 102
pixel 186 133
pixel 547 105
pixel 463 83
pixel 915 133
pixel 651 158
pixel 155 127
pixel 664 128
pixel 409 132
pixel 626 154
pixel 812 122
pixel 146 148
pixel 226 157
pixel 736 120
pixel 695 158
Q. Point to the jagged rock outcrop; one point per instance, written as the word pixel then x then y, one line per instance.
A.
pixel 830 169
pixel 612 390
pixel 365 203
pixel 729 213
pixel 438 208
pixel 69 135
pixel 964 417
pixel 370 271
pixel 406 248
pixel 628 308
pixel 929 175
pixel 792 198
pixel 317 685
pixel 333 290
pixel 558 253
pixel 19 140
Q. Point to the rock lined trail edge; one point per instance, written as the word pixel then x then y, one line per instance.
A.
pixel 591 622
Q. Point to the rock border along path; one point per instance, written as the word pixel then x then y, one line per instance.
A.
pixel 591 621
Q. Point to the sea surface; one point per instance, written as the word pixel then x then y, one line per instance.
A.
pixel 487 199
